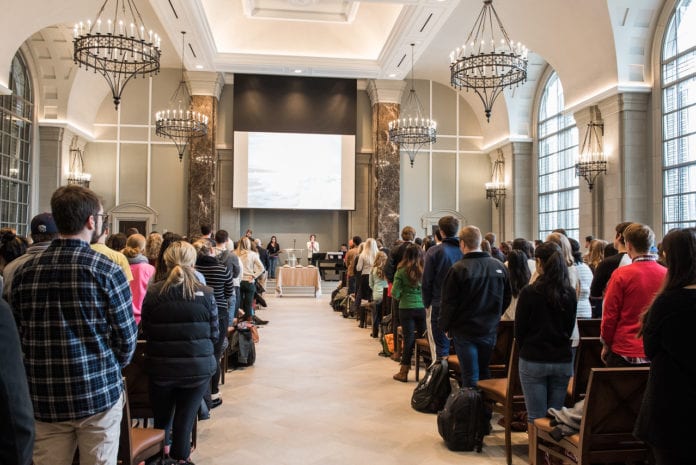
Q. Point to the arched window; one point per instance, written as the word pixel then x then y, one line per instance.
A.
pixel 558 147
pixel 16 116
pixel 679 118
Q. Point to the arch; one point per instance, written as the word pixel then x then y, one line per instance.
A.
pixel 430 219
pixel 133 212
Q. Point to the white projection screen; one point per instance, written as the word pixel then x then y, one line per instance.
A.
pixel 294 171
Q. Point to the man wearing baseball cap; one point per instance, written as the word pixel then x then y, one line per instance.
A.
pixel 43 231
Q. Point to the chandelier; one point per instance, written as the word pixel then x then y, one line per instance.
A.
pixel 178 122
pixel 495 190
pixel 487 62
pixel 591 161
pixel 77 174
pixel 412 131
pixel 118 48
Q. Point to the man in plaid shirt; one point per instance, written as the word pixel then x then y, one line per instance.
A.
pixel 76 325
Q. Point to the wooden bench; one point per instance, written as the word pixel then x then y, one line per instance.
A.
pixel 612 402
pixel 589 327
pixel 587 356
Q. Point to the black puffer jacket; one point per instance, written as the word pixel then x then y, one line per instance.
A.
pixel 180 335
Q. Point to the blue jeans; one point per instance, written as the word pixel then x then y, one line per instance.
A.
pixel 442 342
pixel 544 385
pixel 412 321
pixel 474 355
pixel 272 264
pixel 376 317
pixel 177 405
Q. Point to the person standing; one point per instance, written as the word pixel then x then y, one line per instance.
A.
pixel 408 290
pixel 667 327
pixel 495 251
pixel 544 321
pixel 378 283
pixel 312 248
pixel 140 268
pixel 363 266
pixel 180 325
pixel 273 249
pixel 630 291
pixel 17 430
pixel 43 231
pixel 475 293
pixel 606 267
pixel 438 260
pixel 75 318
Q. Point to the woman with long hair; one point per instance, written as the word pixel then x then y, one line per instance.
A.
pixel 362 279
pixel 378 283
pixel 407 289
pixel 140 268
pixel 667 327
pixel 519 277
pixel 595 254
pixel 544 321
pixel 161 271
pixel 584 281
pixel 252 268
pixel 273 249
pixel 180 325
pixel 152 247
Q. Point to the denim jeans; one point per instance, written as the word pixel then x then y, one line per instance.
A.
pixel 474 355
pixel 442 342
pixel 178 406
pixel 412 321
pixel 248 289
pixel 272 264
pixel 544 385
pixel 376 317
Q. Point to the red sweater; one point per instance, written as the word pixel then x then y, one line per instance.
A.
pixel 630 291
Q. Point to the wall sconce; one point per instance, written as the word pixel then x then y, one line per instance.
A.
pixel 495 189
pixel 591 160
pixel 77 174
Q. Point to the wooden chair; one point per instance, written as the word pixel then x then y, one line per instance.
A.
pixel 137 386
pixel 505 396
pixel 422 352
pixel 501 352
pixel 589 327
pixel 137 444
pixel 611 406
pixel 587 356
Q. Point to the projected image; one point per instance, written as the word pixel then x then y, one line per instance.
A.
pixel 295 171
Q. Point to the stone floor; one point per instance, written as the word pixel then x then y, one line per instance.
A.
pixel 320 394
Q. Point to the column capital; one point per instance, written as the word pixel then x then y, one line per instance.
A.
pixel 629 101
pixel 385 91
pixel 205 83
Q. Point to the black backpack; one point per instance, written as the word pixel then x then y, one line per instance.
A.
pixel 432 390
pixel 463 423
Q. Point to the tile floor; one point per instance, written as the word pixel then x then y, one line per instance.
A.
pixel 320 394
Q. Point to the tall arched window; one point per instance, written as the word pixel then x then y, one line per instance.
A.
pixel 16 116
pixel 679 118
pixel 558 147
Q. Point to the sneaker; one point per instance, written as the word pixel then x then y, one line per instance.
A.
pixel 215 403
pixel 259 321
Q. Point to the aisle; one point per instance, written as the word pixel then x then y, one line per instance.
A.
pixel 320 394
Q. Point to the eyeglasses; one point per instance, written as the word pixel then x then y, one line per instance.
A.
pixel 104 216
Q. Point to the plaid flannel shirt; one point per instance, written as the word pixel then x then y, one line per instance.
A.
pixel 74 313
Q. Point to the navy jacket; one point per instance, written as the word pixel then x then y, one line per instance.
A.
pixel 180 335
pixel 475 294
pixel 438 259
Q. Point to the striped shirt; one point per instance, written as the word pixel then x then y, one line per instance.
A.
pixel 219 277
pixel 74 313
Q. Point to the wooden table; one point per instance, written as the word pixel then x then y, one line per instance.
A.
pixel 307 277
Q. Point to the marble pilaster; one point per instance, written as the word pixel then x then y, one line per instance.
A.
pixel 202 199
pixel 385 97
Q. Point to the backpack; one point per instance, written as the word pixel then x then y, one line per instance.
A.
pixel 462 422
pixel 431 392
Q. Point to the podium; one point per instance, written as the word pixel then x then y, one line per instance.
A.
pixel 294 256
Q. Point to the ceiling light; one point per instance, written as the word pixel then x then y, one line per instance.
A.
pixel 591 160
pixel 487 62
pixel 178 122
pixel 412 131
pixel 119 48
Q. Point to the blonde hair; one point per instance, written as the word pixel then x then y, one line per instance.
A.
pixel 179 258
pixel 380 261
pixel 203 247
pixel 152 245
pixel 135 245
pixel 596 253
pixel 369 251
pixel 566 249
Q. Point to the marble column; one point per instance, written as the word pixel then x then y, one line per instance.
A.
pixel 385 97
pixel 202 180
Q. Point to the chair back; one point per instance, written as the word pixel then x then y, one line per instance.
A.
pixel 137 444
pixel 614 397
pixel 589 327
pixel 137 383
pixel 587 356
pixel 500 358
